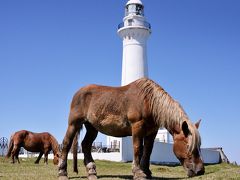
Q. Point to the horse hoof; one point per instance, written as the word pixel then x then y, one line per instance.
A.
pixel 139 178
pixel 148 174
pixel 92 177
pixel 149 177
pixel 139 175
pixel 62 178
pixel 91 171
pixel 62 173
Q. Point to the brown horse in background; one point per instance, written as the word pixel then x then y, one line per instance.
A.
pixel 138 110
pixel 33 142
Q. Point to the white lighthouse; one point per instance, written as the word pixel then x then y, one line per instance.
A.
pixel 134 30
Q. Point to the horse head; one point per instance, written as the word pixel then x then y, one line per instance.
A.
pixel 56 158
pixel 186 147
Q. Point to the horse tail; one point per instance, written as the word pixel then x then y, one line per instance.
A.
pixel 10 147
pixel 75 150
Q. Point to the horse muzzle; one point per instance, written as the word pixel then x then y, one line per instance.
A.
pixel 198 172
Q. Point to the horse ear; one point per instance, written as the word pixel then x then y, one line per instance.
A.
pixel 185 128
pixel 198 123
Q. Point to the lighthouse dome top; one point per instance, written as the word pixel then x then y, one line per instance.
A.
pixel 134 2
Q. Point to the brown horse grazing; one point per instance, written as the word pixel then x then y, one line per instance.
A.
pixel 138 110
pixel 33 142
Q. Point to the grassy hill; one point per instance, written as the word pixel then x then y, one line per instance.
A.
pixel 108 171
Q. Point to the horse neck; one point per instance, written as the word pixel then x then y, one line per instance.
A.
pixel 54 144
pixel 166 111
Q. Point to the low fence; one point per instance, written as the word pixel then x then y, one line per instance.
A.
pixel 99 147
pixel 162 153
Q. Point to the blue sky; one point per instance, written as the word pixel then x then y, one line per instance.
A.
pixel 49 49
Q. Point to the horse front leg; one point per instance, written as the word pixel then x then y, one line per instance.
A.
pixel 67 142
pixel 89 163
pixel 39 157
pixel 147 150
pixel 46 157
pixel 137 153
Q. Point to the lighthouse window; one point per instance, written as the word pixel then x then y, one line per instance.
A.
pixel 139 9
pixel 130 21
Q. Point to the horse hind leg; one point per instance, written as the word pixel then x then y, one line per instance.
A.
pixel 89 163
pixel 12 157
pixel 14 153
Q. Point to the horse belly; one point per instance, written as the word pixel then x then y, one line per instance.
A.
pixel 33 147
pixel 113 125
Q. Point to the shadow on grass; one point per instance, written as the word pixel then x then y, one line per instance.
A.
pixel 131 177
pixel 123 177
pixel 77 177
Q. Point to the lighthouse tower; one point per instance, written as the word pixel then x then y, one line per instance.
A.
pixel 134 30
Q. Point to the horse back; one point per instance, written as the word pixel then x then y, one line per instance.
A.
pixel 19 136
pixel 109 108
pixel 93 98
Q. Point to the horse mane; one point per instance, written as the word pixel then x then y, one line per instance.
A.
pixel 166 112
pixel 54 143
pixel 195 139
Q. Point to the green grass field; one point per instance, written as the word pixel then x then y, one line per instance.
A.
pixel 107 171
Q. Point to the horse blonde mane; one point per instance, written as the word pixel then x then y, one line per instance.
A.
pixel 166 112
pixel 195 139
